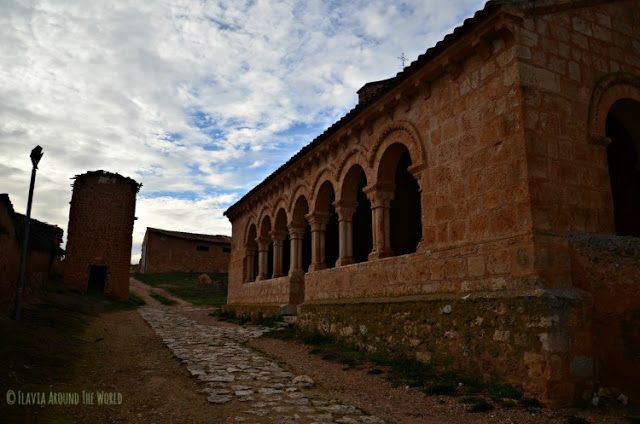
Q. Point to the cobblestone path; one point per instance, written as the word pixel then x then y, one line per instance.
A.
pixel 232 373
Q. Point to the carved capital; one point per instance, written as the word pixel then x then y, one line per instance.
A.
pixel 318 220
pixel 296 232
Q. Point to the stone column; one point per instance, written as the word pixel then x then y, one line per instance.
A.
pixel 380 197
pixel 263 257
pixel 251 272
pixel 295 235
pixel 278 241
pixel 345 210
pixel 318 222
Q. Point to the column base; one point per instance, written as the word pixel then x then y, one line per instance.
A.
pixel 344 261
pixel 379 255
pixel 317 267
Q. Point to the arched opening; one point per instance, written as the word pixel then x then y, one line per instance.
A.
pixel 361 230
pixel 282 252
pixel 251 258
pixel 265 249
pixel 623 155
pixel 300 210
pixel 405 222
pixel 306 248
pixel 325 207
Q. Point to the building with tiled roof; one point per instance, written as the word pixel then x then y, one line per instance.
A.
pixel 477 212
pixel 176 251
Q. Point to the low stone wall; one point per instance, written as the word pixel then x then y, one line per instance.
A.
pixel 608 267
pixel 536 339
pixel 265 292
pixel 506 264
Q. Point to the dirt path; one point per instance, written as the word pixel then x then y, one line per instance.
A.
pixel 145 290
pixel 119 352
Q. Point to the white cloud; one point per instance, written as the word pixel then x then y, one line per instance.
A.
pixel 124 86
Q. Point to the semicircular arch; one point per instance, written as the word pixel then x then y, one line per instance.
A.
pixel 607 91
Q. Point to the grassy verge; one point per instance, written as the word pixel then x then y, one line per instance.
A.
pixel 160 298
pixel 185 286
pixel 231 316
pixel 481 396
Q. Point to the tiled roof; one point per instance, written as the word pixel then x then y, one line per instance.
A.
pixel 192 236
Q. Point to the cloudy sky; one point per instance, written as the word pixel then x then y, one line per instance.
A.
pixel 198 100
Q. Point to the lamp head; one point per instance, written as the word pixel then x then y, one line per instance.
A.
pixel 36 155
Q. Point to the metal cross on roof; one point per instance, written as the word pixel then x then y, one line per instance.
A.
pixel 403 59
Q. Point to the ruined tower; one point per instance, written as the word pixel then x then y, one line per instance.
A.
pixel 101 216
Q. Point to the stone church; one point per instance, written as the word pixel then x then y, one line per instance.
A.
pixel 479 211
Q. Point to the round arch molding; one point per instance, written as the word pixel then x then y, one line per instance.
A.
pixel 406 134
pixel 608 90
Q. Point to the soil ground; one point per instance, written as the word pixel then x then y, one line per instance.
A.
pixel 65 345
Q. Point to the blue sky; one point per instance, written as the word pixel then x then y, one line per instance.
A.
pixel 197 100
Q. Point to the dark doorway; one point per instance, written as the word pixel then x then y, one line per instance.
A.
pixel 406 228
pixel 332 236
pixel 623 154
pixel 306 248
pixel 286 255
pixel 97 278
pixel 270 260
pixel 362 237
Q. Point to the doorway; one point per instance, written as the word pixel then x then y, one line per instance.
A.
pixel 97 278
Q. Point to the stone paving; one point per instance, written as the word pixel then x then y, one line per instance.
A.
pixel 232 373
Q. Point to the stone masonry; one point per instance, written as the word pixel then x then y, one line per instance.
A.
pixel 101 217
pixel 176 251
pixel 460 213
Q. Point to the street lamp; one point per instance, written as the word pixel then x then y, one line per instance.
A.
pixel 36 155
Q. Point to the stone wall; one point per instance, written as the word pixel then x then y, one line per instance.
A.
pixel 42 255
pixel 10 255
pixel 565 61
pixel 608 268
pixel 100 230
pixel 527 336
pixel 497 265
pixel 171 254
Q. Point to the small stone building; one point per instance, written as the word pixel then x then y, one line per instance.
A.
pixel 98 251
pixel 175 251
pixel 478 212
pixel 43 254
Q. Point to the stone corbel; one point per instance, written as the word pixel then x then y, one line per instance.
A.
pixel 482 48
pixel 452 67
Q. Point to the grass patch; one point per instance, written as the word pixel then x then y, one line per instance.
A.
pixel 504 391
pixel 577 420
pixel 185 286
pixel 412 373
pixel 160 298
pixel 481 406
pixel 530 403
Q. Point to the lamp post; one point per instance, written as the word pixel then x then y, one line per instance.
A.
pixel 36 155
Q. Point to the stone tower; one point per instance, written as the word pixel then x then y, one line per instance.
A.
pixel 101 216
